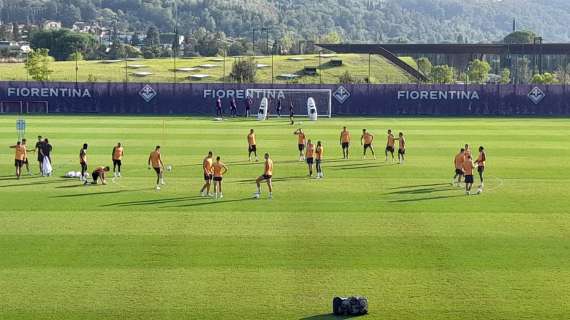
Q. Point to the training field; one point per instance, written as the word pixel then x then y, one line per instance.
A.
pixel 416 246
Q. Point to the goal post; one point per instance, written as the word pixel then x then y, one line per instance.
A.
pixel 297 97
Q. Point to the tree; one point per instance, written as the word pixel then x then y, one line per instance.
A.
pixel 287 42
pixel 478 71
pixel 64 42
pixel 332 37
pixel 442 74
pixel 545 78
pixel 425 66
pixel 505 76
pixel 16 36
pixel 520 37
pixel 75 56
pixel 244 70
pixel 151 47
pixel 38 63
pixel 237 49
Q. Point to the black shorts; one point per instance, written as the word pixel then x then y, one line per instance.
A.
pixel 83 166
pixel 366 146
pixel 469 179
pixel 26 161
pixel 459 172
pixel 345 145
pixel 208 177
pixel 318 161
pixel 266 177
pixel 117 162
pixel 480 169
pixel 301 147
pixel 95 176
pixel 218 179
pixel 40 158
pixel 390 149
pixel 310 160
pixel 402 151
pixel 18 163
pixel 158 170
pixel 252 148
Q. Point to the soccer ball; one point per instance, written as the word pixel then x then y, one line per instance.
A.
pixel 256 195
pixel 479 191
pixel 169 168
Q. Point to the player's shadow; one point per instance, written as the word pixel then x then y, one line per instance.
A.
pixel 150 202
pixel 361 166
pixel 329 316
pixel 421 185
pixel 208 203
pixel 426 199
pixel 31 184
pixel 422 190
pixel 77 195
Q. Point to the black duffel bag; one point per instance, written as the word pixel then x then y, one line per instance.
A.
pixel 351 306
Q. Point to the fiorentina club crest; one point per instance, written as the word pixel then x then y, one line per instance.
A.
pixel 147 93
pixel 341 94
pixel 536 95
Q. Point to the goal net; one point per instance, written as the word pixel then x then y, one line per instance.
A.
pixel 296 97
pixel 24 107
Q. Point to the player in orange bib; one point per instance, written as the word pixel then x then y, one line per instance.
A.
pixel 118 153
pixel 99 175
pixel 345 142
pixel 252 146
pixel 19 157
pixel 219 170
pixel 366 139
pixel 301 141
pixel 310 156
pixel 401 148
pixel 320 153
pixel 208 168
pixel 26 161
pixel 468 151
pixel 155 160
pixel 390 141
pixel 468 170
pixel 458 163
pixel 481 159
pixel 266 176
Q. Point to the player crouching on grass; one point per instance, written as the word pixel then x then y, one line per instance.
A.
pixel 208 166
pixel 458 162
pixel 319 152
pixel 155 160
pixel 267 175
pixel 468 170
pixel 252 147
pixel 99 175
pixel 481 166
pixel 219 170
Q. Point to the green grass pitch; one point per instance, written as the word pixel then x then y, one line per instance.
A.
pixel 417 247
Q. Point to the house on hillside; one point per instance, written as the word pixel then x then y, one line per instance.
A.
pixel 51 25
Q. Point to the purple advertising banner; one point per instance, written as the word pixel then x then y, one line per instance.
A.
pixel 357 99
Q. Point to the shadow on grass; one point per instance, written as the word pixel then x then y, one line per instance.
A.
pixel 423 190
pixel 280 179
pixel 32 183
pixel 209 203
pixel 360 166
pixel 426 199
pixel 150 202
pixel 96 193
pixel 422 185
pixel 330 316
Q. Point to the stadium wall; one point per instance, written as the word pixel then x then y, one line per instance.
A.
pixel 357 99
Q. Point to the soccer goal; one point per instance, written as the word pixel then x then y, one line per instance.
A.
pixel 297 97
pixel 24 107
